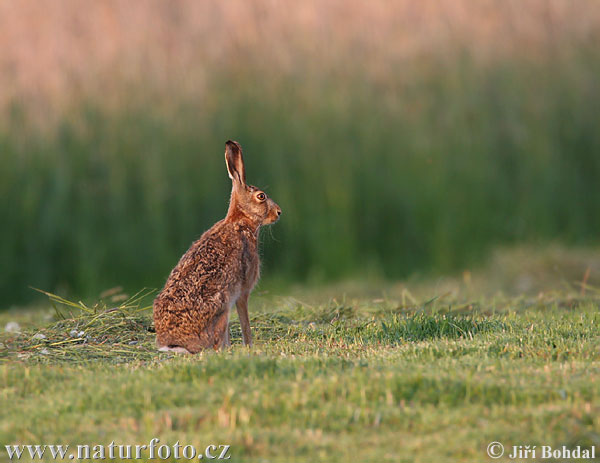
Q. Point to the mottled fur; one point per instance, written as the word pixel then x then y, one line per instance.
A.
pixel 191 313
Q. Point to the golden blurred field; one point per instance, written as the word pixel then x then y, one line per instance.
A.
pixel 56 52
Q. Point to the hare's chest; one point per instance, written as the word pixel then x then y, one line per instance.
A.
pixel 250 263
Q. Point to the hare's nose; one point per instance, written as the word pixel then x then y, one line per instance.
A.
pixel 278 211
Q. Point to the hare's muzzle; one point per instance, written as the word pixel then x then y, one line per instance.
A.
pixel 274 213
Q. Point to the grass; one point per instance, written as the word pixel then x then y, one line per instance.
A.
pixel 356 378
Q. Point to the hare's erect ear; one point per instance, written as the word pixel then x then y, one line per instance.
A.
pixel 235 162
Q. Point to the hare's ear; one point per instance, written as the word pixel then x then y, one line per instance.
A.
pixel 235 162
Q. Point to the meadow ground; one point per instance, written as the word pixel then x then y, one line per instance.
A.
pixel 363 372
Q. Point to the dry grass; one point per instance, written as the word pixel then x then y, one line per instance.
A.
pixel 57 52
pixel 84 333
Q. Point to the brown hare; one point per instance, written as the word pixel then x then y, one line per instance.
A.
pixel 191 313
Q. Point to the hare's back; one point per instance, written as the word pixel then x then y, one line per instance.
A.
pixel 210 265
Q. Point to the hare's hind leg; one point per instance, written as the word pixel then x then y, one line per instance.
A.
pixel 190 344
pixel 221 331
pixel 181 346
pixel 170 346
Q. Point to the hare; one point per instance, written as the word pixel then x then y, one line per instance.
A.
pixel 191 313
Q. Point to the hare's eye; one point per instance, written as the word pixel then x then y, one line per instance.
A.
pixel 261 196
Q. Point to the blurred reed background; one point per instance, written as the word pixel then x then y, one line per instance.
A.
pixel 398 137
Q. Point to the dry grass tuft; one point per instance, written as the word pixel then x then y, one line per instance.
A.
pixel 84 333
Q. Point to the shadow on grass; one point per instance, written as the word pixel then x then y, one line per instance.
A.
pixel 398 329
pixel 365 326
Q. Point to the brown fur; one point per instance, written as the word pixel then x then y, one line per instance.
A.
pixel 218 270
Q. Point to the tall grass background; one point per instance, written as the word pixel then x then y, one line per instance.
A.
pixel 396 139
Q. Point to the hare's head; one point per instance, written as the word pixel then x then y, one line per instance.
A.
pixel 248 203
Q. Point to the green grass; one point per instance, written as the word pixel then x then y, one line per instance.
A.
pixel 346 379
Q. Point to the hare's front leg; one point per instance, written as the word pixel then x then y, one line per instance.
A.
pixel 242 310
